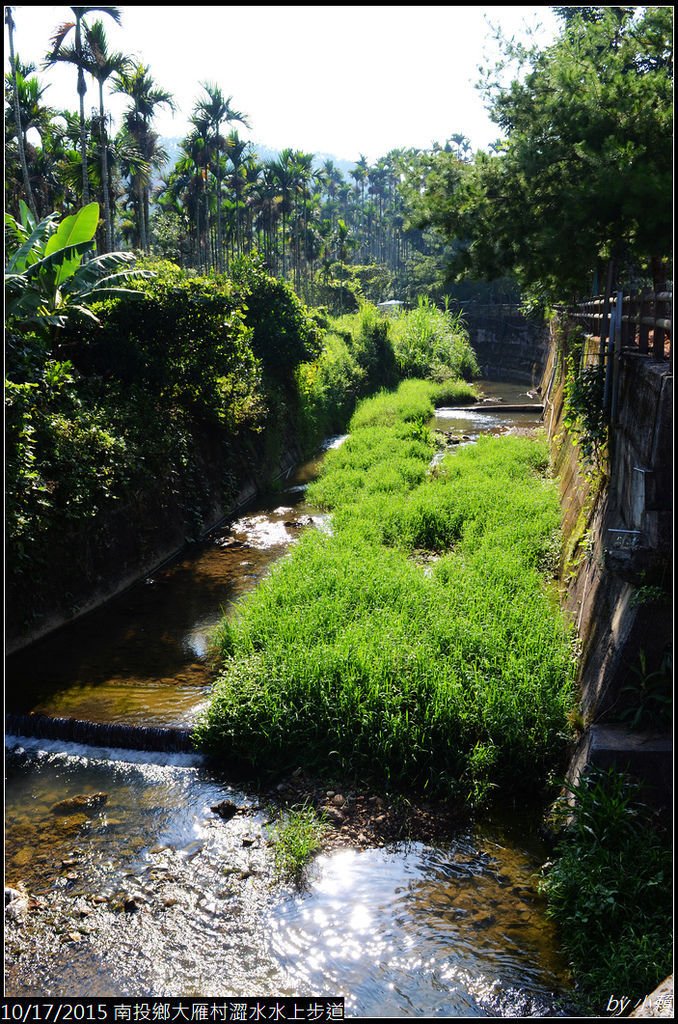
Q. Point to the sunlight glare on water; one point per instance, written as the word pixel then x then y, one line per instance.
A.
pixel 376 924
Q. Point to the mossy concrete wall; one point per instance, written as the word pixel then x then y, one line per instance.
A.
pixel 617 527
pixel 124 545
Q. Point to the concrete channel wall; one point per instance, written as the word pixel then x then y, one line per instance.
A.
pixel 507 344
pixel 617 564
pixel 617 528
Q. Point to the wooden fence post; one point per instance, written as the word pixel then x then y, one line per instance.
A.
pixel 645 313
pixel 615 354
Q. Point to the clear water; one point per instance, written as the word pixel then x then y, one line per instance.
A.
pixel 152 893
pixel 149 892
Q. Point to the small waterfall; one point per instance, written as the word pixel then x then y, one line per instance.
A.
pixel 100 734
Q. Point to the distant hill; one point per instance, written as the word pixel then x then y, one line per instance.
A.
pixel 265 153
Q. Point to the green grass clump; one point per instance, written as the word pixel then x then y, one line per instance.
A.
pixel 297 835
pixel 433 343
pixel 354 655
pixel 608 887
pixel 413 402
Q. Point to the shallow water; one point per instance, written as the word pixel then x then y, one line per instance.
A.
pixel 152 893
pixel 470 424
pixel 149 892
pixel 142 659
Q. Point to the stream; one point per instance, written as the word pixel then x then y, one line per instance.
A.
pixel 129 884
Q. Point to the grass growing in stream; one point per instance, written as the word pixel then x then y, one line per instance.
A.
pixel 296 836
pixel 418 644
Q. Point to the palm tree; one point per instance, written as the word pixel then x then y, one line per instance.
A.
pixel 237 152
pixel 303 163
pixel 146 97
pixel 9 20
pixel 101 64
pixel 359 175
pixel 214 109
pixel 282 175
pixel 74 55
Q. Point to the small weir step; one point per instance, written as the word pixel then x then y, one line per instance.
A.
pixel 99 734
pixel 495 407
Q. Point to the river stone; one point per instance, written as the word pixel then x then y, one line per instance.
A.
pixel 225 809
pixel 73 822
pixel 17 907
pixel 83 803
pixel 12 894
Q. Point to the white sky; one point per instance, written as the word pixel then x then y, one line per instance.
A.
pixel 343 81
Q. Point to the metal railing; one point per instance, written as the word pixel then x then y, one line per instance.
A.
pixel 640 320
pixel 615 323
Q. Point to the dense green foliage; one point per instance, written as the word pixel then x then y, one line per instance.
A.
pixel 609 889
pixel 432 343
pixel 185 340
pixel 133 413
pixel 585 172
pixel 416 643
pixel 364 351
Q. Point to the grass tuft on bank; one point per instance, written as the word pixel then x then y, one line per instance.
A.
pixel 419 644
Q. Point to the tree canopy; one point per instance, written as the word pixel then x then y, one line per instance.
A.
pixel 584 174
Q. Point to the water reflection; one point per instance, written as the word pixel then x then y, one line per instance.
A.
pixel 432 931
pixel 143 657
pixel 152 893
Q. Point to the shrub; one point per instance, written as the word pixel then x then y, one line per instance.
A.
pixel 608 887
pixel 432 343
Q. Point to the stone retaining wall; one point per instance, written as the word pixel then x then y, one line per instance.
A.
pixel 506 343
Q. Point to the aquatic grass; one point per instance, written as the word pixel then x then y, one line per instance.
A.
pixel 414 401
pixel 433 343
pixel 296 836
pixel 351 656
pixel 455 392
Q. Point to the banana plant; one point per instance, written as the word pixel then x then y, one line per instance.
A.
pixel 48 281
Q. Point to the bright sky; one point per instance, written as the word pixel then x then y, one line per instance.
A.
pixel 343 81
